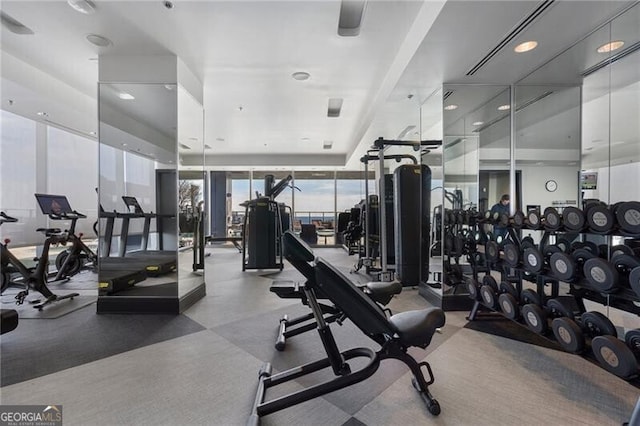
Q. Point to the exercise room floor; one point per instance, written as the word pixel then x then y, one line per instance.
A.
pixel 201 368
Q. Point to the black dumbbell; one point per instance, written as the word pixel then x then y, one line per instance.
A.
pixel 628 216
pixel 552 219
pixel 573 219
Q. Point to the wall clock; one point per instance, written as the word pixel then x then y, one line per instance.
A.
pixel 551 185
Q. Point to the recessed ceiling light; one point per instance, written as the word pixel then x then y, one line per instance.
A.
pixel 124 144
pixel 305 139
pixel 451 107
pixel 220 139
pixel 92 133
pixel 478 123
pixel 169 87
pixel 125 96
pixel 611 46
pixel 42 114
pixel 504 107
pixel 98 40
pixel 83 6
pixel 301 75
pixel 526 46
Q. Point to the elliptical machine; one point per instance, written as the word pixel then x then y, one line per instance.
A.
pixel 35 278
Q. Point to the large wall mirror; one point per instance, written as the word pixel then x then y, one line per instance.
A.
pixel 476 155
pixel 192 188
pixel 138 193
pixel 577 139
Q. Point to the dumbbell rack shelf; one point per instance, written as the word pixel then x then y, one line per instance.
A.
pixel 622 298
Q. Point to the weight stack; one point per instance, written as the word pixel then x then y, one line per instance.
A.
pixel 261 234
pixel 389 214
pixel 412 203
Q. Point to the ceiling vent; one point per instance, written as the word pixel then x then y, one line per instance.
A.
pixel 327 144
pixel 519 28
pixel 183 146
pixel 334 108
pixel 611 59
pixel 14 26
pixel 351 12
pixel 447 94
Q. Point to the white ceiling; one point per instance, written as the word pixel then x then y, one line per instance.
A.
pixel 245 52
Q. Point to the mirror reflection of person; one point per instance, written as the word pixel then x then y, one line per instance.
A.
pixel 501 207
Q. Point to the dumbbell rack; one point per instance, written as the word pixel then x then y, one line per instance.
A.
pixel 621 360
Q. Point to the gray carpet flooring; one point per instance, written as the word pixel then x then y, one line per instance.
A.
pixel 37 348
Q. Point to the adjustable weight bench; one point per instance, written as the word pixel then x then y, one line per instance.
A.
pixel 395 335
pixel 300 255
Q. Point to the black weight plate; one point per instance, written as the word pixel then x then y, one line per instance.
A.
pixel 535 318
pixel 518 219
pixel 624 264
pixel 600 274
pixel 576 245
pixel 532 260
pixel 592 247
pixel 628 215
pixel 491 282
pixel 603 251
pixel 511 254
pixel 582 255
pixel 552 219
pixel 621 249
pixel 563 266
pixel 458 245
pixel 573 218
pixel 534 220
pixel 600 219
pixel 529 296
pixel 509 306
pixel 632 339
pixel 597 324
pixel 507 287
pixel 473 289
pixel 488 297
pixel 614 356
pixel 568 334
pixel 549 250
pixel 560 309
pixel 492 251
pixel 564 244
pixel 634 281
pixel 527 242
pixel 503 220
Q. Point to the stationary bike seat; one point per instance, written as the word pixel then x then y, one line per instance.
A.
pixel 49 231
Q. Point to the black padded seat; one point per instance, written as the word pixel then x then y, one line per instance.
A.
pixel 49 231
pixel 416 328
pixel 383 292
pixel 8 320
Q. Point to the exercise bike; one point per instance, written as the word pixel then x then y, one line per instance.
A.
pixel 78 256
pixel 32 278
